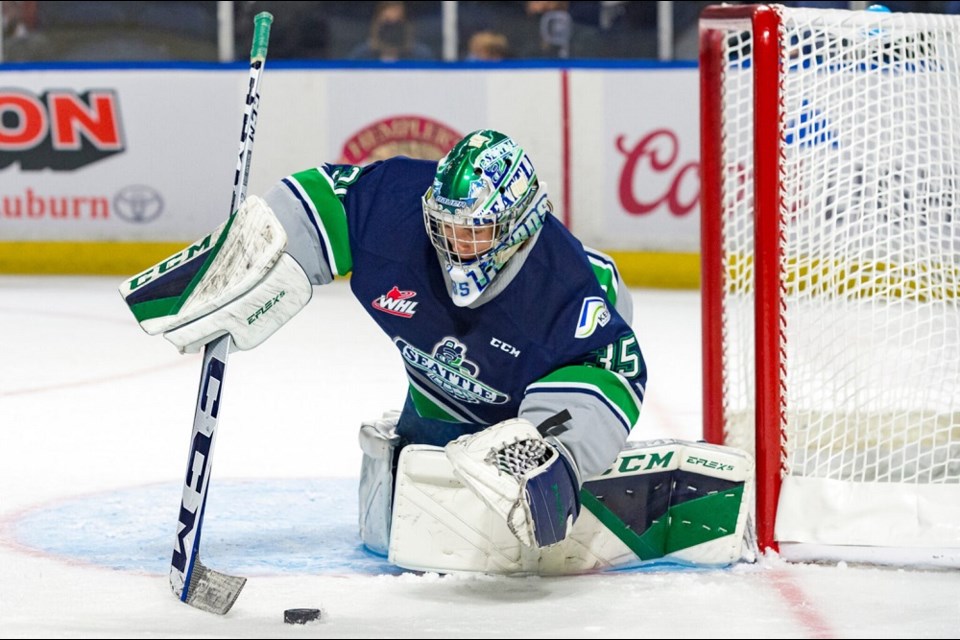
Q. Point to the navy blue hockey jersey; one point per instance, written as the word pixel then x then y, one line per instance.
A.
pixel 552 339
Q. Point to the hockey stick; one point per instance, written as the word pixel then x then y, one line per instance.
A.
pixel 191 581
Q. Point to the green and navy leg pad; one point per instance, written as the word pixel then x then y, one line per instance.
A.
pixel 664 500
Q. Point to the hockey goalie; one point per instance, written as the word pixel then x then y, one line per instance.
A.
pixel 510 452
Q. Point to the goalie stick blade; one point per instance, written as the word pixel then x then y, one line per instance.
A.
pixel 211 590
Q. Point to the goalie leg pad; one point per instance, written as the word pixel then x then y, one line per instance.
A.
pixel 710 506
pixel 378 441
pixel 441 525
pixel 520 476
pixel 662 500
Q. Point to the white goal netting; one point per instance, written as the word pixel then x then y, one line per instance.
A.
pixel 869 173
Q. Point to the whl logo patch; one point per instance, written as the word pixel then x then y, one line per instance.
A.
pixel 593 314
pixel 397 303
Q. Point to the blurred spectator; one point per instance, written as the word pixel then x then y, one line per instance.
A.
pixel 601 15
pixel 391 37
pixel 94 31
pixel 548 30
pixel 19 19
pixel 21 40
pixel 488 46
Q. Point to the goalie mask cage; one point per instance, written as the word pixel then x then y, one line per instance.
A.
pixel 830 150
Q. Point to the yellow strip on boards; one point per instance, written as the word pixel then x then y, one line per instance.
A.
pixel 638 269
pixel 84 258
pixel 658 270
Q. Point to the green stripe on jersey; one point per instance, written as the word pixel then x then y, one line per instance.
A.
pixel 612 386
pixel 427 408
pixel 608 281
pixel 331 218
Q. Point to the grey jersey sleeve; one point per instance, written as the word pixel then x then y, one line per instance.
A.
pixel 624 304
pixel 303 243
pixel 593 439
pixel 604 406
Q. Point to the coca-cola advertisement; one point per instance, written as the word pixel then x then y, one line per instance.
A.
pixel 652 190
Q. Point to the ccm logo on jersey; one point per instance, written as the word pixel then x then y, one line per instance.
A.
pixel 396 302
pixel 503 346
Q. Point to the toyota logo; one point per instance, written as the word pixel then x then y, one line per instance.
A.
pixel 138 203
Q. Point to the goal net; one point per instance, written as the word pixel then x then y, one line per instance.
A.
pixel 830 151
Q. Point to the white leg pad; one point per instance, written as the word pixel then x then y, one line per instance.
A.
pixel 378 440
pixel 722 463
pixel 441 525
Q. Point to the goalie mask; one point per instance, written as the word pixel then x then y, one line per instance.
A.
pixel 485 202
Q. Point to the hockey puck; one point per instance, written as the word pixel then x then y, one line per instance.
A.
pixel 300 616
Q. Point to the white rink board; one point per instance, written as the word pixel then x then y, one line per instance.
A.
pixel 167 178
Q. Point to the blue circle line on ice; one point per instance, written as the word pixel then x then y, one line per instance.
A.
pixel 251 527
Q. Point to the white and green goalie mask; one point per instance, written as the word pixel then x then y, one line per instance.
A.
pixel 485 202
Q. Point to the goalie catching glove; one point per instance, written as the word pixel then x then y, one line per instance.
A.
pixel 522 477
pixel 238 280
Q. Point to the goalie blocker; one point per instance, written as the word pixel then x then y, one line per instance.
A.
pixel 238 280
pixel 660 501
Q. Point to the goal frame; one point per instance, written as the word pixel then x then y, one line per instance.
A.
pixel 769 379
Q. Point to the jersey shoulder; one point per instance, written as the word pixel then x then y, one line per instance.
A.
pixel 392 178
pixel 382 200
pixel 558 282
